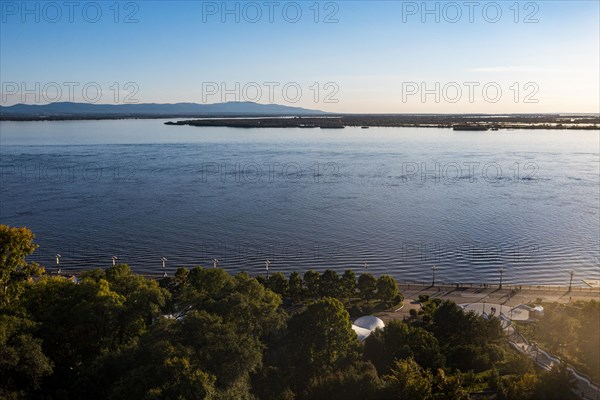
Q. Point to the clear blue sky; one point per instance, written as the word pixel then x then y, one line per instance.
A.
pixel 379 55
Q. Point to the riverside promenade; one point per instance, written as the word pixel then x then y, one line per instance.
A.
pixel 504 303
pixel 586 389
pixel 510 295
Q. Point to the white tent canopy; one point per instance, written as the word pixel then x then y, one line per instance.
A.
pixel 364 326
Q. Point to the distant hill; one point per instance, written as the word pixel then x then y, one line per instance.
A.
pixel 70 110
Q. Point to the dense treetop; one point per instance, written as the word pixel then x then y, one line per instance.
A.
pixel 206 334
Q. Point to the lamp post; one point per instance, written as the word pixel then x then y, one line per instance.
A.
pixel 58 256
pixel 433 275
pixel 366 266
pixel 267 263
pixel 114 260
pixel 501 273
pixel 571 272
pixel 215 262
pixel 164 265
pixel 561 351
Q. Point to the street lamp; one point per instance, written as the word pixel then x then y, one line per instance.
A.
pixel 501 273
pixel 267 263
pixel 561 351
pixel 366 266
pixel 571 272
pixel 58 256
pixel 215 262
pixel 164 265
pixel 535 348
pixel 433 275
pixel 114 260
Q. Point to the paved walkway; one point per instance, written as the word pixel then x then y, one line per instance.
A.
pixel 586 389
pixel 504 297
pixel 505 304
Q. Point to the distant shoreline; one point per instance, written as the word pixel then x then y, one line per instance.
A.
pixel 465 122
pixel 112 117
pixel 340 121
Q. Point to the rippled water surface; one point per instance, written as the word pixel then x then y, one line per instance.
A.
pixel 398 199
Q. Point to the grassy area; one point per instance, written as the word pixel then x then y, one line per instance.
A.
pixel 357 307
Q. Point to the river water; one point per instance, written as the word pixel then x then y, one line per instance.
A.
pixel 398 199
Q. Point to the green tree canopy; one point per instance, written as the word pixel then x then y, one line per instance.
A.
pixel 558 383
pixel 238 298
pixel 80 321
pixel 23 364
pixel 295 285
pixel 329 285
pixel 358 381
pixel 16 244
pixel 348 283
pixel 278 283
pixel 408 380
pixel 320 339
pixel 469 341
pixel 367 285
pixel 387 288
pixel 402 341
pixel 311 281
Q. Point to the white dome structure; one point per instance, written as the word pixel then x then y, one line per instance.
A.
pixel 364 326
pixel 362 333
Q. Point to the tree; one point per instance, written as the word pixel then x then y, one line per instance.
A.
pixel 367 284
pixel 329 285
pixel 387 288
pixel 159 367
pixel 556 384
pixel 175 285
pixel 239 299
pixel 358 381
pixel 312 280
pixel 408 380
pixel 15 245
pixel 514 387
pixel 78 322
pixel 449 387
pixel 262 280
pixel 144 299
pixel 348 283
pixel 402 341
pixel 209 351
pixel 571 331
pixel 295 285
pixel 587 336
pixel 278 283
pixel 320 339
pixel 23 364
pixel 469 341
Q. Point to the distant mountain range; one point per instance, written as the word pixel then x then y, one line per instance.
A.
pixel 70 110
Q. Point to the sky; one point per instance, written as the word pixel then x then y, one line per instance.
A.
pixel 344 56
